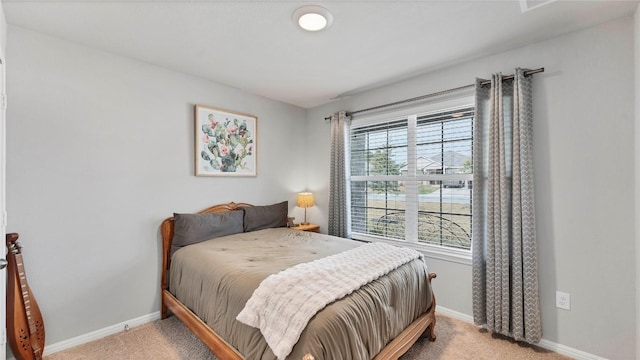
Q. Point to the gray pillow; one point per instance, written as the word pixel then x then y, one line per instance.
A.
pixel 264 217
pixel 193 228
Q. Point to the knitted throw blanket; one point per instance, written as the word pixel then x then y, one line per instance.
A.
pixel 283 303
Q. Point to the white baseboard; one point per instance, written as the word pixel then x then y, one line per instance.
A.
pixel 454 314
pixel 545 344
pixel 568 351
pixel 98 334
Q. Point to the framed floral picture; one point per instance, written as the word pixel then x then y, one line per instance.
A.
pixel 225 142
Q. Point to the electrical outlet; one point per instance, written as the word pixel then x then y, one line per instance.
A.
pixel 563 300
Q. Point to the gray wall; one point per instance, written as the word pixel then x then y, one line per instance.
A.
pixel 584 172
pixel 3 197
pixel 100 151
pixel 637 162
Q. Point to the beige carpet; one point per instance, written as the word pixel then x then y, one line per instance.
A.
pixel 169 339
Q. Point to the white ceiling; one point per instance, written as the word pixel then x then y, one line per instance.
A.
pixel 254 45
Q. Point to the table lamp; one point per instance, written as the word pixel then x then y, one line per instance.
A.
pixel 305 200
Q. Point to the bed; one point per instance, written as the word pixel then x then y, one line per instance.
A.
pixel 405 315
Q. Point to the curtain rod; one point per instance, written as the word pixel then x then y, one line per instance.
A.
pixel 439 93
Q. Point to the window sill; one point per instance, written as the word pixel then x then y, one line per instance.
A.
pixel 430 251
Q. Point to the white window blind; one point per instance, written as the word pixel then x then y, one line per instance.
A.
pixel 411 178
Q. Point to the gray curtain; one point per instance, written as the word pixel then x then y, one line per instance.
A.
pixel 505 263
pixel 338 186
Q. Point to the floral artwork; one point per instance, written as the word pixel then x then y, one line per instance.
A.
pixel 225 143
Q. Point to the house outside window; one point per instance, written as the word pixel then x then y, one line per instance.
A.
pixel 411 180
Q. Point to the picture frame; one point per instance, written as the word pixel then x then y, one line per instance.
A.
pixel 225 142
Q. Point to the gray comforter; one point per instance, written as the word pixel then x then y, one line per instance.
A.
pixel 215 278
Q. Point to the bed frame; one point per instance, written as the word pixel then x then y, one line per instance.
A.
pixel 224 350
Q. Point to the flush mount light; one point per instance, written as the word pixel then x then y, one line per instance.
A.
pixel 312 17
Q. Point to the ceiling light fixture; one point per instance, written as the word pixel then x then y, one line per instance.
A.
pixel 312 17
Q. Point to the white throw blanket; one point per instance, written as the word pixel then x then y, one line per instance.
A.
pixel 284 302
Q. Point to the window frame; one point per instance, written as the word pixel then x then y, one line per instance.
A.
pixel 412 114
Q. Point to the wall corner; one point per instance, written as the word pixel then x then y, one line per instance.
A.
pixel 636 37
pixel 3 32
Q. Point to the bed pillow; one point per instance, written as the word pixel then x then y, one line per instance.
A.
pixel 193 228
pixel 264 217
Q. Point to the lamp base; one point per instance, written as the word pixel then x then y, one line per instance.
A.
pixel 304 223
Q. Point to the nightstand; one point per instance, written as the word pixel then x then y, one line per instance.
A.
pixel 309 227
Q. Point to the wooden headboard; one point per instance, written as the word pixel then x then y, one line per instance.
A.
pixel 166 230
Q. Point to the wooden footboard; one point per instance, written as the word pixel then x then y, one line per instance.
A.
pixel 403 342
pixel 224 351
pixel 213 341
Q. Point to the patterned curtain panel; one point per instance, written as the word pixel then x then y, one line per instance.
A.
pixel 505 263
pixel 338 190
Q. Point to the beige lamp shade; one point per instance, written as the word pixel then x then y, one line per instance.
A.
pixel 305 199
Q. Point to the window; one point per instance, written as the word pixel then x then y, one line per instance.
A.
pixel 411 179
